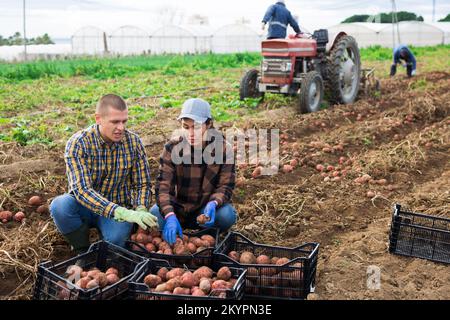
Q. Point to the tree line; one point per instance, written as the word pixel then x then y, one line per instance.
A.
pixel 17 39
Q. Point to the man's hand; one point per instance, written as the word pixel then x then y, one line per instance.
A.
pixel 142 217
pixel 172 228
pixel 263 26
pixel 210 212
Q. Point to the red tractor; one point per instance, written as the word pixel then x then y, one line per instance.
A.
pixel 304 66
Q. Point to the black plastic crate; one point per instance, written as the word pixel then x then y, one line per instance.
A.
pixel 419 235
pixel 51 284
pixel 138 290
pixel 201 258
pixel 291 281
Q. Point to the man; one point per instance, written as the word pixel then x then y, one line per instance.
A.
pixel 194 185
pixel 108 174
pixel 402 52
pixel 279 17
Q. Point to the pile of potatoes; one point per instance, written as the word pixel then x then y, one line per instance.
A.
pixel 153 242
pixel 91 279
pixel 201 282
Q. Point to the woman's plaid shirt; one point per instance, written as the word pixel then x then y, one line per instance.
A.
pixel 185 188
pixel 103 177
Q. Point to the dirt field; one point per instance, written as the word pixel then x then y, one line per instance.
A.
pixel 401 136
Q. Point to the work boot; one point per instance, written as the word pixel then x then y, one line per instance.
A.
pixel 79 239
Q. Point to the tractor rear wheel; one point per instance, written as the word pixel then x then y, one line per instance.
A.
pixel 249 85
pixel 344 71
pixel 311 92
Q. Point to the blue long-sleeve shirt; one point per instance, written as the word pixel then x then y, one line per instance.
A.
pixel 279 17
pixel 409 56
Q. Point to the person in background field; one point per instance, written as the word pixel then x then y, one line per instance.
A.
pixel 109 180
pixel 279 17
pixel 402 52
pixel 186 189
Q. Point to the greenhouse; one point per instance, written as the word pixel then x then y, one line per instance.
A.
pixel 445 28
pixel 129 40
pixel 407 32
pixel 89 40
pixel 180 39
pixel 236 38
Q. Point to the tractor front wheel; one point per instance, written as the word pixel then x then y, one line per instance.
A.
pixel 311 92
pixel 249 85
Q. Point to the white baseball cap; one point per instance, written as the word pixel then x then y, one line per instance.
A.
pixel 196 109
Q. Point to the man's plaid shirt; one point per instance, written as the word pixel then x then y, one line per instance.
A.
pixel 103 177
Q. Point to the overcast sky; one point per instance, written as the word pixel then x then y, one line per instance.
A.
pixel 61 18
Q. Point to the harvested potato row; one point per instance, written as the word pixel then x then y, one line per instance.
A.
pixel 153 242
pixel 201 282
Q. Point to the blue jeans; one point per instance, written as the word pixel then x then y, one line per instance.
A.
pixel 225 218
pixel 69 215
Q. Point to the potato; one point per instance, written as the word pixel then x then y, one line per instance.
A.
pixel 42 209
pixel 161 288
pixel 210 239
pixel 35 201
pixel 198 242
pixel 252 272
pixel 164 245
pixel 168 251
pixel 224 273
pixel 202 219
pixel 150 247
pixel 205 285
pixel 200 249
pixel 188 280
pixel 19 216
pixel 93 273
pixel 112 270
pixel 247 258
pixel 82 283
pixel 92 284
pixel 180 290
pixel 112 278
pixel 287 168
pixel 6 215
pixel 198 293
pixel 101 279
pixel 141 238
pixel 156 241
pixel 203 272
pixel 162 273
pixel 180 250
pixel 257 172
pixel 152 280
pixel 282 261
pixel 232 282
pixel 175 272
pixel 84 274
pixel 263 259
pixel 173 283
pixel 234 255
pixel 219 285
pixel 191 247
pixel 274 260
pixel 193 239
pixel 185 238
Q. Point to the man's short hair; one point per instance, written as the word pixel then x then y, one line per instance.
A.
pixel 110 100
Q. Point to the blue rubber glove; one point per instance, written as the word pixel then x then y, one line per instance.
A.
pixel 172 227
pixel 210 212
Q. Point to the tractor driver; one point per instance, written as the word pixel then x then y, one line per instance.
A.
pixel 402 52
pixel 278 17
